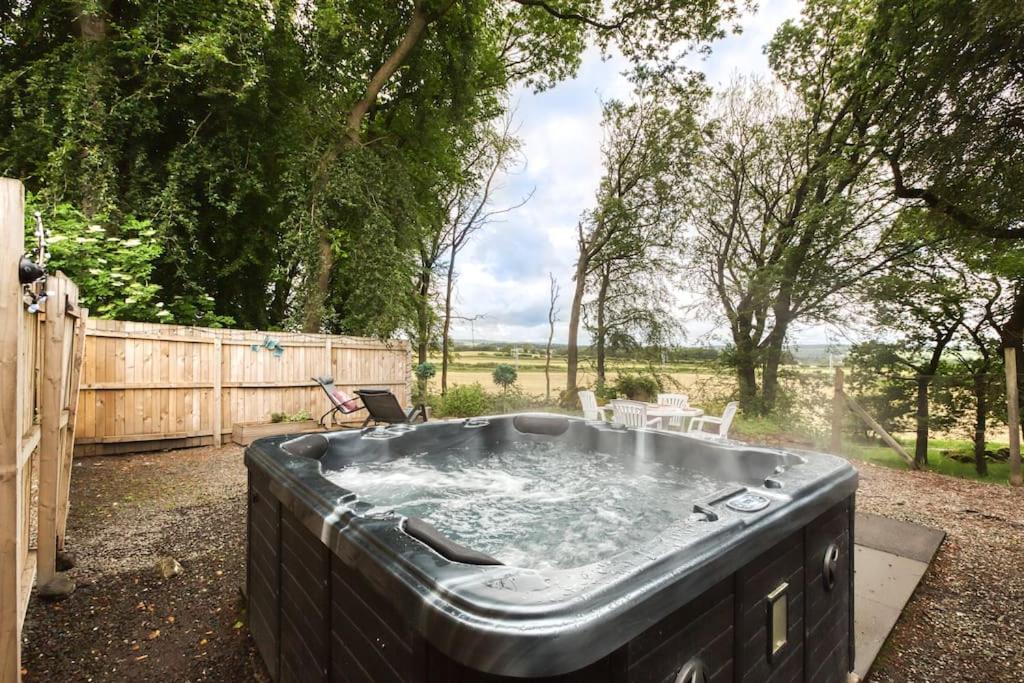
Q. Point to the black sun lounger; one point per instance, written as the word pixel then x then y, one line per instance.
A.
pixel 383 406
pixel 340 401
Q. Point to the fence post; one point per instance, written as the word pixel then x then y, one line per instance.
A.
pixel 218 372
pixel 1013 414
pixel 12 379
pixel 51 407
pixel 878 429
pixel 838 406
pixel 67 456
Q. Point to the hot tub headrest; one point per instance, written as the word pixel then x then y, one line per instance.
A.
pixel 312 446
pixel 549 425
pixel 426 533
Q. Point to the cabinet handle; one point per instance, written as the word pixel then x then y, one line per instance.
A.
pixel 692 672
pixel 830 566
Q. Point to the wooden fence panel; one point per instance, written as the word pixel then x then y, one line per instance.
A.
pixel 147 386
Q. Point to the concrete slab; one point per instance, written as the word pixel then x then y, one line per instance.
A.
pixel 908 540
pixel 890 559
pixel 872 623
pixel 885 578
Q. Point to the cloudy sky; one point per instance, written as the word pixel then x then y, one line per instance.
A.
pixel 503 274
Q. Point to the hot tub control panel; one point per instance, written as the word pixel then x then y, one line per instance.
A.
pixel 748 502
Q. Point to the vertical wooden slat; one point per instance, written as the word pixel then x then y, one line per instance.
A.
pixel 51 406
pixel 1013 414
pixel 838 408
pixel 12 408
pixel 217 373
pixel 71 403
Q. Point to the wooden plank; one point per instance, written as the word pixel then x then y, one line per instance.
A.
pixel 29 443
pixel 131 438
pixel 877 428
pixel 67 457
pixel 111 334
pixel 838 408
pixel 1013 413
pixel 28 577
pixel 218 359
pixel 50 447
pixel 244 433
pixel 12 415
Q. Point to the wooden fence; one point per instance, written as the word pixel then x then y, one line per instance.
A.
pixel 147 386
pixel 40 363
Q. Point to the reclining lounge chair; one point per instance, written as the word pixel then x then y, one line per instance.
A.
pixel 383 407
pixel 340 401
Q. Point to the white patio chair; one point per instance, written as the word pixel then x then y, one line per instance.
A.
pixel 591 411
pixel 724 422
pixel 676 401
pixel 632 414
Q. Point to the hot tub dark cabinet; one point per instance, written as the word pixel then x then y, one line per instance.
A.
pixel 755 587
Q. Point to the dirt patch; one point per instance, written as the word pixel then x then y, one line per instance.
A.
pixel 966 621
pixel 126 623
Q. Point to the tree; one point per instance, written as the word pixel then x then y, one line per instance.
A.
pixel 113 266
pixel 937 88
pixel 505 376
pixel 979 357
pixel 925 302
pixel 633 303
pixel 783 227
pixel 531 40
pixel 647 146
pixel 469 207
pixel 552 319
pixel 424 373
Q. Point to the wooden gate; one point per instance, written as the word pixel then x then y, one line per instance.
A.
pixel 40 363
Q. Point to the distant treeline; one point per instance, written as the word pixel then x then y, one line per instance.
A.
pixel 681 354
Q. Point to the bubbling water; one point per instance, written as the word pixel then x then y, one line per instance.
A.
pixel 535 505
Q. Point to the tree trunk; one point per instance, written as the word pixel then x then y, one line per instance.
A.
pixel 921 442
pixel 547 368
pixel 93 177
pixel 980 422
pixel 572 352
pixel 601 331
pixel 449 285
pixel 746 377
pixel 423 317
pixel 772 360
pixel 422 328
pixel 316 297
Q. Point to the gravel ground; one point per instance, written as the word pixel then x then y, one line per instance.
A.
pixel 124 623
pixel 965 623
pixel 966 620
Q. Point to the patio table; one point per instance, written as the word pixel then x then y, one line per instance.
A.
pixel 668 412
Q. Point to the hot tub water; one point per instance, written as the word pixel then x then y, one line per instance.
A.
pixel 534 505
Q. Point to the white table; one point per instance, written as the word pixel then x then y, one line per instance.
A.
pixel 666 413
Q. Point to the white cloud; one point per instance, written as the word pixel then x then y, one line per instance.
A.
pixel 503 274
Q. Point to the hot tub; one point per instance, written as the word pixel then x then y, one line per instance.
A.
pixel 545 547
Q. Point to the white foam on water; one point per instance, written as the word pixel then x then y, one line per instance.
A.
pixel 535 505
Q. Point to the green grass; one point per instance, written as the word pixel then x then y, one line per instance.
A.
pixel 779 430
pixel 998 472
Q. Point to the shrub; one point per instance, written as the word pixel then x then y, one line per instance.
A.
pixel 505 376
pixel 300 416
pixel 425 371
pixel 515 401
pixel 465 400
pixel 637 387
